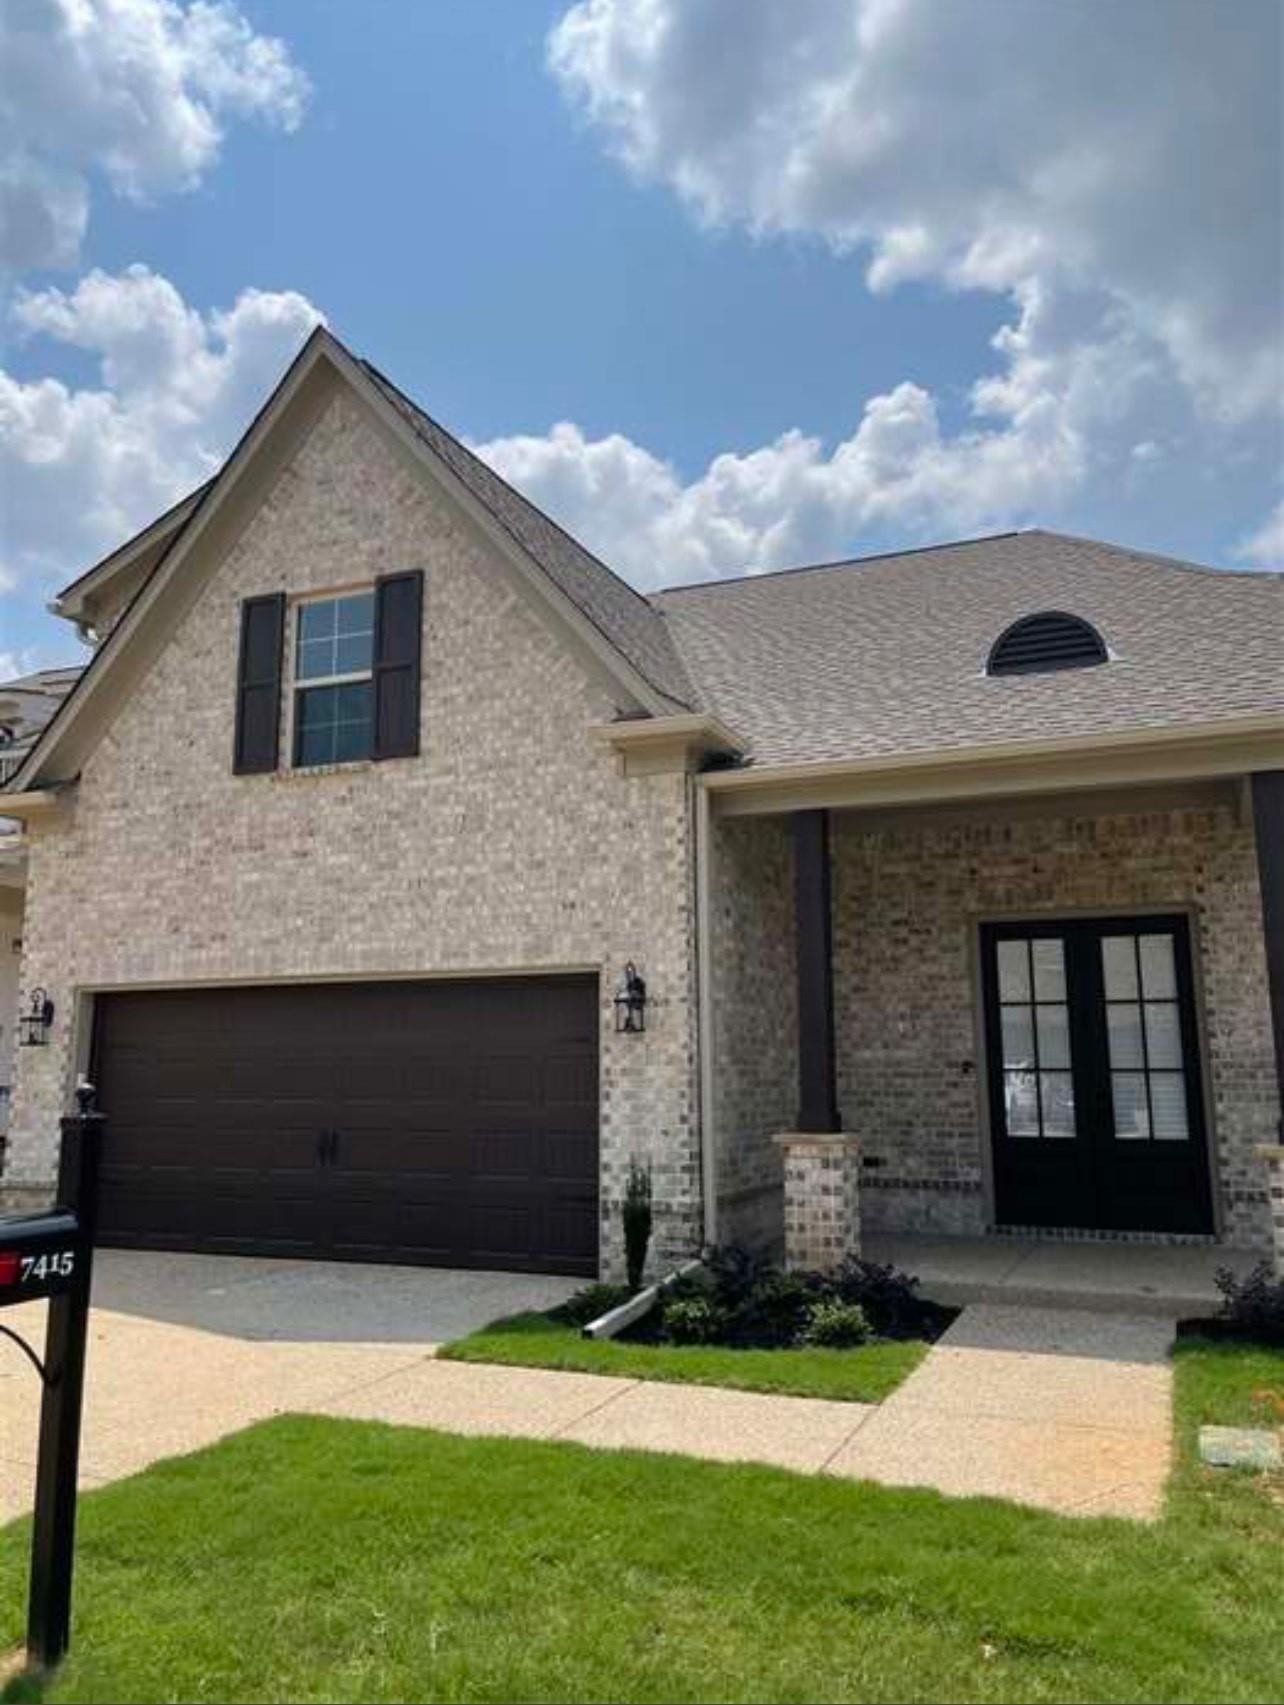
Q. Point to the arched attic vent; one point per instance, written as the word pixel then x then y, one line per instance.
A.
pixel 1046 641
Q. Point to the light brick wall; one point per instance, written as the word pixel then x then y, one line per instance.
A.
pixel 755 1022
pixel 822 1200
pixel 512 843
pixel 907 900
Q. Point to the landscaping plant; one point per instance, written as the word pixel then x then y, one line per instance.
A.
pixel 1254 1304
pixel 637 1223
pixel 833 1324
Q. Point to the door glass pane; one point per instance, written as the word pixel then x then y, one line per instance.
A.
pixel 1054 1036
pixel 1018 1037
pixel 1158 972
pixel 1132 1120
pixel 1123 1023
pixel 1049 970
pixel 1021 1104
pixel 1119 967
pixel 1163 1035
pixel 1056 1092
pixel 1014 970
pixel 1168 1098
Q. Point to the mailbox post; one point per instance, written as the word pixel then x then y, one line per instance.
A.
pixel 51 1255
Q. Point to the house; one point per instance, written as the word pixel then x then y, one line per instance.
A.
pixel 26 705
pixel 955 878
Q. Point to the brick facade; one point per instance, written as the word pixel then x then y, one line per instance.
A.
pixel 513 843
pixel 907 901
pixel 755 1022
pixel 822 1202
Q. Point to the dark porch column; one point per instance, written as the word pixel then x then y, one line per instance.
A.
pixel 1268 825
pixel 817 1092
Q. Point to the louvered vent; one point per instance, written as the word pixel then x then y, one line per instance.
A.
pixel 1050 640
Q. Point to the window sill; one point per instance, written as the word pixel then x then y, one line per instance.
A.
pixel 307 772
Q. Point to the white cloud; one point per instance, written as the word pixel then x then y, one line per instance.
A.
pixel 1265 547
pixel 789 501
pixel 1118 179
pixel 991 143
pixel 135 91
pixel 80 469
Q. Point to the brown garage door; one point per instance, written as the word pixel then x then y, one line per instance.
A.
pixel 442 1123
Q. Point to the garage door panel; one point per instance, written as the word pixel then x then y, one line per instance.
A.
pixel 466 1120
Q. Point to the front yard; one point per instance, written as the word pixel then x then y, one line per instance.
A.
pixel 325 1560
pixel 742 1322
pixel 866 1373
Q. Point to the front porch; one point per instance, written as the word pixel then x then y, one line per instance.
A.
pixel 865 1090
pixel 1172 1281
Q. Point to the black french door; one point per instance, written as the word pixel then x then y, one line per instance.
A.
pixel 1096 1107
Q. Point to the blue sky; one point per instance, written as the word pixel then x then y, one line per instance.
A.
pixel 653 247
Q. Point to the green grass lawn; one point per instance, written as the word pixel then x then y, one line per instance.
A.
pixel 326 1560
pixel 863 1375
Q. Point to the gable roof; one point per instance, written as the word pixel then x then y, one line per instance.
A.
pixel 631 623
pixel 888 654
pixel 625 635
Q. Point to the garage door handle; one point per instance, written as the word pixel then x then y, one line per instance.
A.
pixel 327 1147
pixel 332 1154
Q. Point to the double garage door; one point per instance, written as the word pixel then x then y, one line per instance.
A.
pixel 440 1123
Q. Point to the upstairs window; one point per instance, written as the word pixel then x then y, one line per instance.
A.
pixel 334 680
pixel 1044 642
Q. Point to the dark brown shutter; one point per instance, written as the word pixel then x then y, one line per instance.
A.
pixel 398 622
pixel 258 684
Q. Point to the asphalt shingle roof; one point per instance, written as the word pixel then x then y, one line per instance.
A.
pixel 888 654
pixel 624 616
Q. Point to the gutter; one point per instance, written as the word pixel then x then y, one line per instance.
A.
pixel 1231 746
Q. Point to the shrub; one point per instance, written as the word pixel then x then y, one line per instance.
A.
pixel 836 1325
pixel 1255 1303
pixel 736 1272
pixel 775 1312
pixel 589 1303
pixel 637 1222
pixel 888 1297
pixel 691 1320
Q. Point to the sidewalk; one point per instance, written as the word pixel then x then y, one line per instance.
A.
pixel 1066 1411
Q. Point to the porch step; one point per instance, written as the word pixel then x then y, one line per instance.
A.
pixel 1167 1281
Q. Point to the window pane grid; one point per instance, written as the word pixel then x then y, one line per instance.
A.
pixel 1037 1083
pixel 1143 1083
pixel 333 663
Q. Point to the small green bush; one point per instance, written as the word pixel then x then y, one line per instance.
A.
pixel 637 1222
pixel 836 1325
pixel 691 1320
pixel 1254 1303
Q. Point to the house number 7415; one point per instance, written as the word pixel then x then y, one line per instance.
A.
pixel 60 1264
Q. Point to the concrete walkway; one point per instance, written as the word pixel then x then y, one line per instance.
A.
pixel 1165 1280
pixel 1066 1411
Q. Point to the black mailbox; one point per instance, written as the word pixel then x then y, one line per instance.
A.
pixel 40 1256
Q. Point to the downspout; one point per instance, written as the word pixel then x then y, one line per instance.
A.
pixel 704 1009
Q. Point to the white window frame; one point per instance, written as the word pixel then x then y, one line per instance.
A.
pixel 353 678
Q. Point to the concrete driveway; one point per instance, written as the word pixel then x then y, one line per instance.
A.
pixel 186 1348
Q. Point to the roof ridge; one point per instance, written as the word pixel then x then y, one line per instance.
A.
pixel 749 576
pixel 1162 557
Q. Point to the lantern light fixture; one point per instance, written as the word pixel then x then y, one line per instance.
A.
pixel 630 1002
pixel 34 1024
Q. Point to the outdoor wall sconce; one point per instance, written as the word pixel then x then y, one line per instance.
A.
pixel 630 1002
pixel 34 1024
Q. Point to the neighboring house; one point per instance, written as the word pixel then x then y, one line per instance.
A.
pixel 954 877
pixel 26 705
